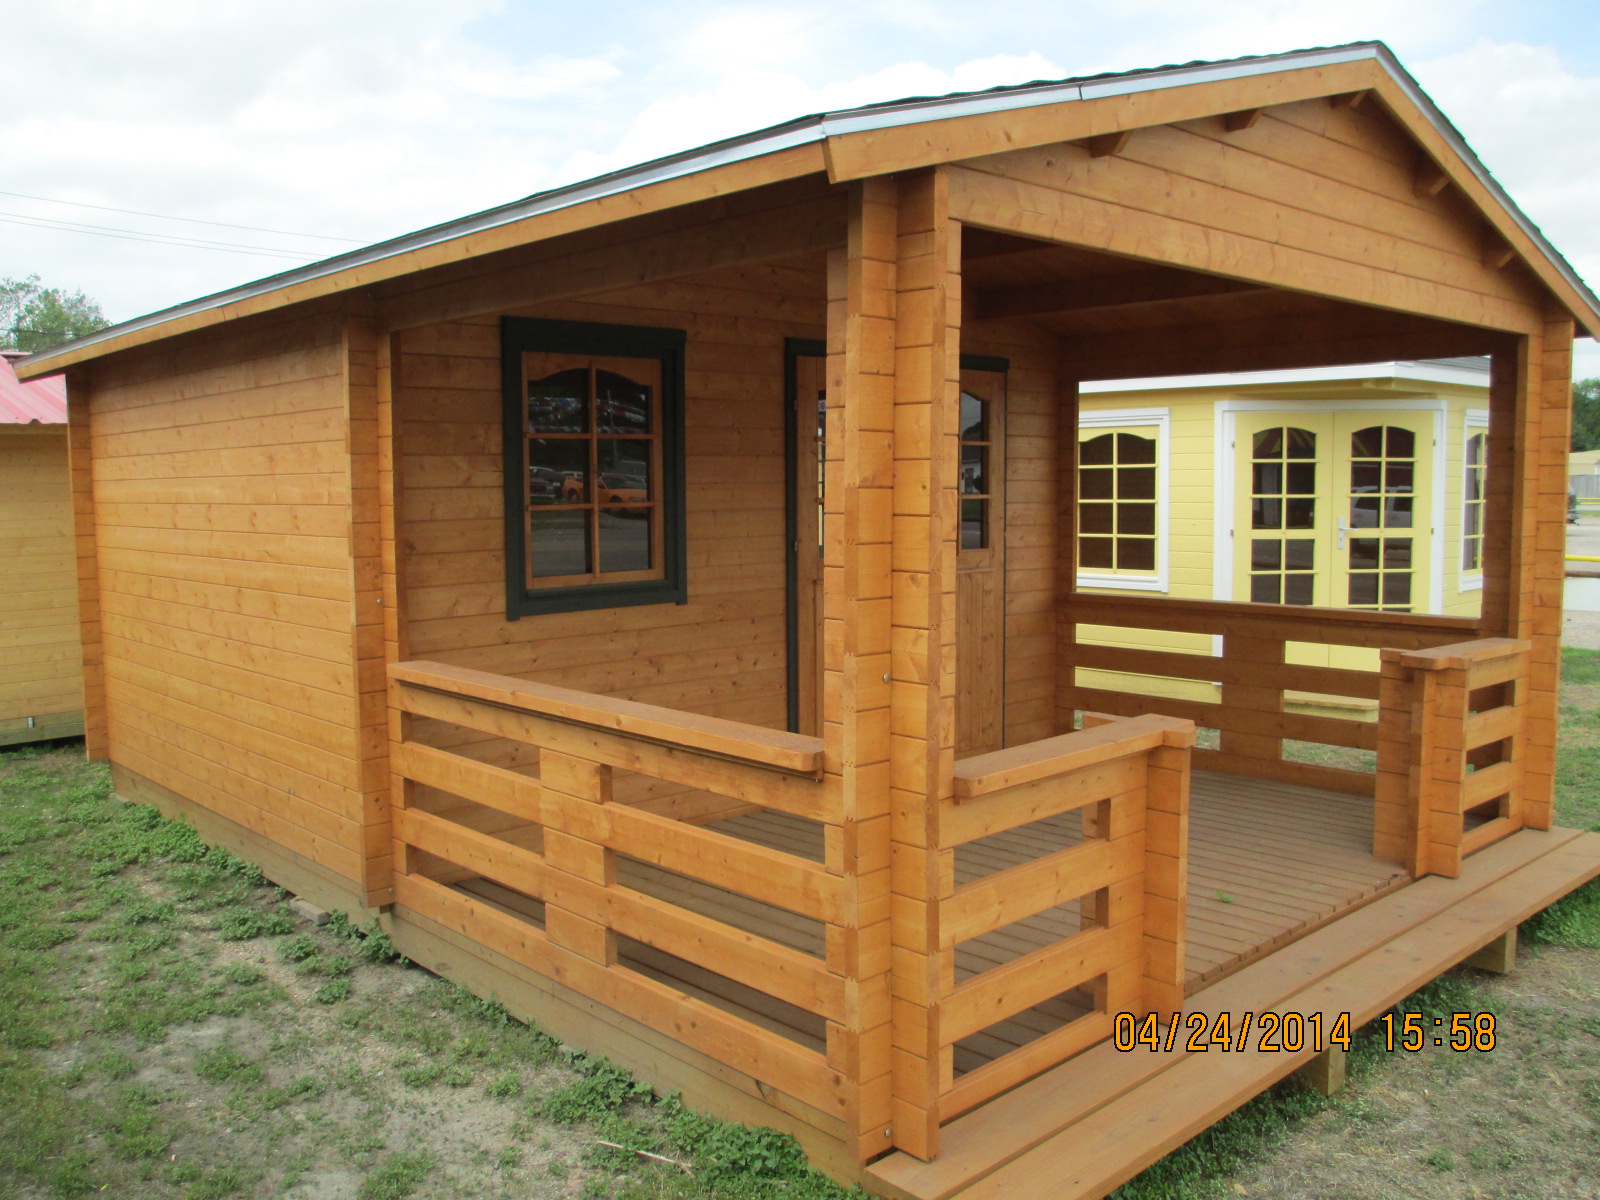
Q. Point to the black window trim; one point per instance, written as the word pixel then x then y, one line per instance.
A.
pixel 524 335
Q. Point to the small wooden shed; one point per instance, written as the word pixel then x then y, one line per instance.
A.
pixel 41 669
pixel 1181 476
pixel 656 597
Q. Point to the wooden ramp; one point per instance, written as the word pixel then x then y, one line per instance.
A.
pixel 1089 1125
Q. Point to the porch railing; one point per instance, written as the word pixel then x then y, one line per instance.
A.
pixel 1450 758
pixel 1130 781
pixel 583 740
pixel 1253 671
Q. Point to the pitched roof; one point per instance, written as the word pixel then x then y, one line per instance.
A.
pixel 34 402
pixel 821 136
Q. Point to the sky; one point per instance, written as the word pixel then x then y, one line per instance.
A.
pixel 322 126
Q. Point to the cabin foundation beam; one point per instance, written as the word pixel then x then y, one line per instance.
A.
pixel 1499 957
pixel 1327 1072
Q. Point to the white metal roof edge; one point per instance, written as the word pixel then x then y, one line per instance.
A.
pixel 819 127
pixel 1416 372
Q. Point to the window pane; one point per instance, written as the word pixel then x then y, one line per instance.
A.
pixel 1266 554
pixel 1266 514
pixel 1302 444
pixel 1136 483
pixel 1398 477
pixel 1397 588
pixel 1299 554
pixel 1364 554
pixel 559 403
pixel 1300 513
pixel 561 467
pixel 1397 512
pixel 1364 512
pixel 974 418
pixel 1474 485
pixel 1364 588
pixel 1367 443
pixel 1397 554
pixel 620 404
pixel 1472 520
pixel 1264 589
pixel 1136 518
pixel 1366 476
pixel 1402 443
pixel 1134 449
pixel 1097 451
pixel 625 539
pixel 1136 554
pixel 1095 484
pixel 974 535
pixel 1268 444
pixel 1302 479
pixel 1266 478
pixel 1297 589
pixel 975 470
pixel 560 542
pixel 1092 518
pixel 624 471
pixel 1475 449
pixel 1095 552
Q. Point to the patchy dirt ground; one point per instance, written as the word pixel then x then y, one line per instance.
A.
pixel 1522 1121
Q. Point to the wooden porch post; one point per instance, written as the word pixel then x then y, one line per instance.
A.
pixel 857 507
pixel 1525 533
pixel 922 692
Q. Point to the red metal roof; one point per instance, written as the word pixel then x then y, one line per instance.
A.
pixel 36 402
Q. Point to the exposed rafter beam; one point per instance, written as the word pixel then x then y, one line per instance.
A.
pixel 1105 145
pixel 1497 252
pixel 1430 178
pixel 1348 99
pixel 1237 122
pixel 1107 291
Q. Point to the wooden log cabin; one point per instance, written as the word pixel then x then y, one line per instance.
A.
pixel 41 677
pixel 656 599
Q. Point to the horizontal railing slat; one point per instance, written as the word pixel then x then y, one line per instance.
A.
pixel 1329 681
pixel 1002 992
pixel 482 783
pixel 984 774
pixel 742 781
pixel 769 748
pixel 1490 782
pixel 1492 725
pixel 489 856
pixel 1322 626
pixel 1332 731
pixel 1042 798
pixel 738 1044
pixel 1015 893
pixel 988 1081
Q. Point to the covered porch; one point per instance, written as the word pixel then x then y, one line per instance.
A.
pixel 836 836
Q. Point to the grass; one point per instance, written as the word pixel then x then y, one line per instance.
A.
pixel 172 1031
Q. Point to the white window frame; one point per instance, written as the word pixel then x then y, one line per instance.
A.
pixel 1159 419
pixel 1476 421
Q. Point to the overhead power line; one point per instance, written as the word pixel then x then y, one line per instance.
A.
pixel 130 212
pixel 158 239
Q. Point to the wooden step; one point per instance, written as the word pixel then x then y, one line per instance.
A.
pixel 1089 1125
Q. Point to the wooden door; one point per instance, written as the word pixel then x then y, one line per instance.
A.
pixel 809 413
pixel 980 566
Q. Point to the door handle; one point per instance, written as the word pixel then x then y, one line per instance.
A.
pixel 1344 529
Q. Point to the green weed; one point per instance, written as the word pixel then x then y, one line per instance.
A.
pixel 396 1177
pixel 223 1064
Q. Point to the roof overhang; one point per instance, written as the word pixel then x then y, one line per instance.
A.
pixel 849 144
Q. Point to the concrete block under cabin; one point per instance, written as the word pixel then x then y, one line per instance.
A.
pixel 41 666
pixel 669 603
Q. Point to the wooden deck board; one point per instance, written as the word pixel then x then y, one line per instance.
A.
pixel 1078 1131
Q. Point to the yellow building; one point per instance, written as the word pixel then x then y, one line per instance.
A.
pixel 1347 487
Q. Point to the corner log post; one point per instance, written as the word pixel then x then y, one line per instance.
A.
pixel 922 661
pixel 857 507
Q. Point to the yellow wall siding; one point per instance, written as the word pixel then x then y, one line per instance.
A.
pixel 41 662
pixel 1195 542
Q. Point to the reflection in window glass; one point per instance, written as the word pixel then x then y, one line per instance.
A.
pixel 1117 491
pixel 976 492
pixel 1283 487
pixel 1472 506
pixel 591 448
pixel 1383 474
